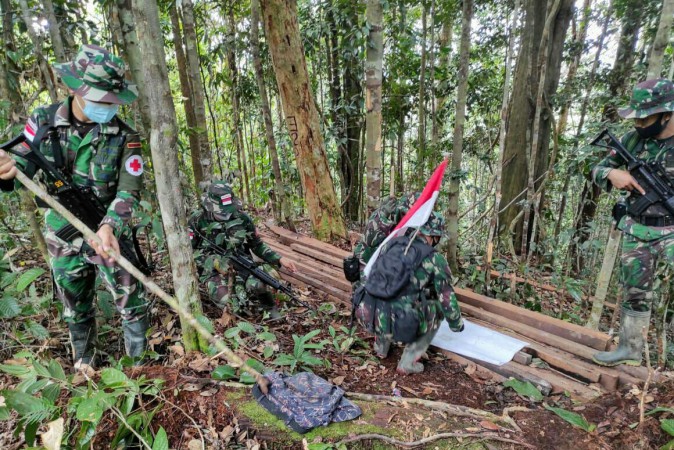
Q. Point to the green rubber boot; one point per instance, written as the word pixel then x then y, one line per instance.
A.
pixel 382 345
pixel 631 340
pixel 135 341
pixel 409 361
pixel 83 340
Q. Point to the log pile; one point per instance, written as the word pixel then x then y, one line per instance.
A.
pixel 557 359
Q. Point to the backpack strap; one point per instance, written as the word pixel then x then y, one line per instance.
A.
pixel 49 130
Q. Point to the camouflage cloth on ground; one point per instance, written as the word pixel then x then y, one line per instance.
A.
pixel 223 223
pixel 106 159
pixel 305 401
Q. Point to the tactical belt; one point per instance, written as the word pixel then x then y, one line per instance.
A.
pixel 664 221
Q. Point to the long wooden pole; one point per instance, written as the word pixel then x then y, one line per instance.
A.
pixel 146 281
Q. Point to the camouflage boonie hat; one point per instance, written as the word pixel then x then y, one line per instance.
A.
pixel 98 76
pixel 650 97
pixel 219 200
pixel 435 225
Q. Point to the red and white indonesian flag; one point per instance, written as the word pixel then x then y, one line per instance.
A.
pixel 418 213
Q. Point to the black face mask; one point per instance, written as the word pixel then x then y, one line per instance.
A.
pixel 653 129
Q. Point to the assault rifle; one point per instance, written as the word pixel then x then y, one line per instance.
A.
pixel 651 176
pixel 244 264
pixel 82 202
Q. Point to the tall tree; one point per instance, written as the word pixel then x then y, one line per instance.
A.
pixel 457 144
pixel 661 40
pixel 55 31
pixel 373 81
pixel 282 207
pixel 202 162
pixel 163 144
pixel 133 55
pixel 37 49
pixel 421 138
pixel 522 111
pixel 302 117
pixel 186 90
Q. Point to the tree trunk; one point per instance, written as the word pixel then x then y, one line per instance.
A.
pixel 163 144
pixel 237 135
pixel 55 31
pixel 203 169
pixel 493 223
pixel 373 101
pixel 421 138
pixel 353 121
pixel 457 144
pixel 10 73
pixel 186 91
pixel 302 118
pixel 522 111
pixel 282 205
pixel 37 49
pixel 133 56
pixel 444 47
pixel 661 40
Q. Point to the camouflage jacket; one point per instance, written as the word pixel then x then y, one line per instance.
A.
pixel 235 234
pixel 381 223
pixel 647 149
pixel 107 159
pixel 433 278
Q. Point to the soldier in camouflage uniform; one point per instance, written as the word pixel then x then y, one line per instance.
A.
pixel 100 151
pixel 223 223
pixel 648 245
pixel 381 223
pixel 431 295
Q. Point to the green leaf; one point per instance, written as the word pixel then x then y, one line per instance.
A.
pixel 284 359
pixel 310 335
pixel 668 446
pixel 223 373
pixel 23 403
pixel 231 332
pixel 268 352
pixel 56 370
pixel 27 277
pixel 246 327
pixel 524 388
pixel 311 360
pixel 204 322
pixel 37 330
pixel 4 413
pixel 9 307
pixel 90 410
pixel 113 377
pixel 161 440
pixel 668 426
pixel 246 378
pixel 267 336
pixel 573 418
pixel 660 409
pixel 17 371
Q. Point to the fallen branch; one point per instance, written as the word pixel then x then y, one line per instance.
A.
pixel 390 440
pixel 456 410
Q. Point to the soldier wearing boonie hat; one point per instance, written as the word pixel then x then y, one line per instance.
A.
pixel 223 222
pixel 648 244
pixel 100 151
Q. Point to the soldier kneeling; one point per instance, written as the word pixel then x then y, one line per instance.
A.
pixel 407 295
pixel 222 222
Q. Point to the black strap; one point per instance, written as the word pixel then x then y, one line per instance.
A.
pixel 49 130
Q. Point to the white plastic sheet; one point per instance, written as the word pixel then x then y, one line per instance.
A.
pixel 478 342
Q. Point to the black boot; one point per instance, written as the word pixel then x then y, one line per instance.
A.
pixel 83 340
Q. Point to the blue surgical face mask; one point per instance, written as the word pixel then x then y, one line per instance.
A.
pixel 99 112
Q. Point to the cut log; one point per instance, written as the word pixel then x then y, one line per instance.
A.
pixel 566 330
pixel 286 276
pixel 522 358
pixel 482 372
pixel 318 285
pixel 318 254
pixel 288 237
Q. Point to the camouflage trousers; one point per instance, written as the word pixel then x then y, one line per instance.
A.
pixel 646 266
pixel 383 340
pixel 245 289
pixel 74 270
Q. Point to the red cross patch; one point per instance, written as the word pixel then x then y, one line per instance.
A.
pixel 134 165
pixel 226 199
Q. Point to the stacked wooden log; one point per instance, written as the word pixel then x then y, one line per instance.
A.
pixel 557 359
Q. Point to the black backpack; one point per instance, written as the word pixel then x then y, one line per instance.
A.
pixel 389 279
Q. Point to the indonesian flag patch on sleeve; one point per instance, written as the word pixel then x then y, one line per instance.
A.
pixel 30 129
pixel 133 145
pixel 226 199
pixel 134 165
